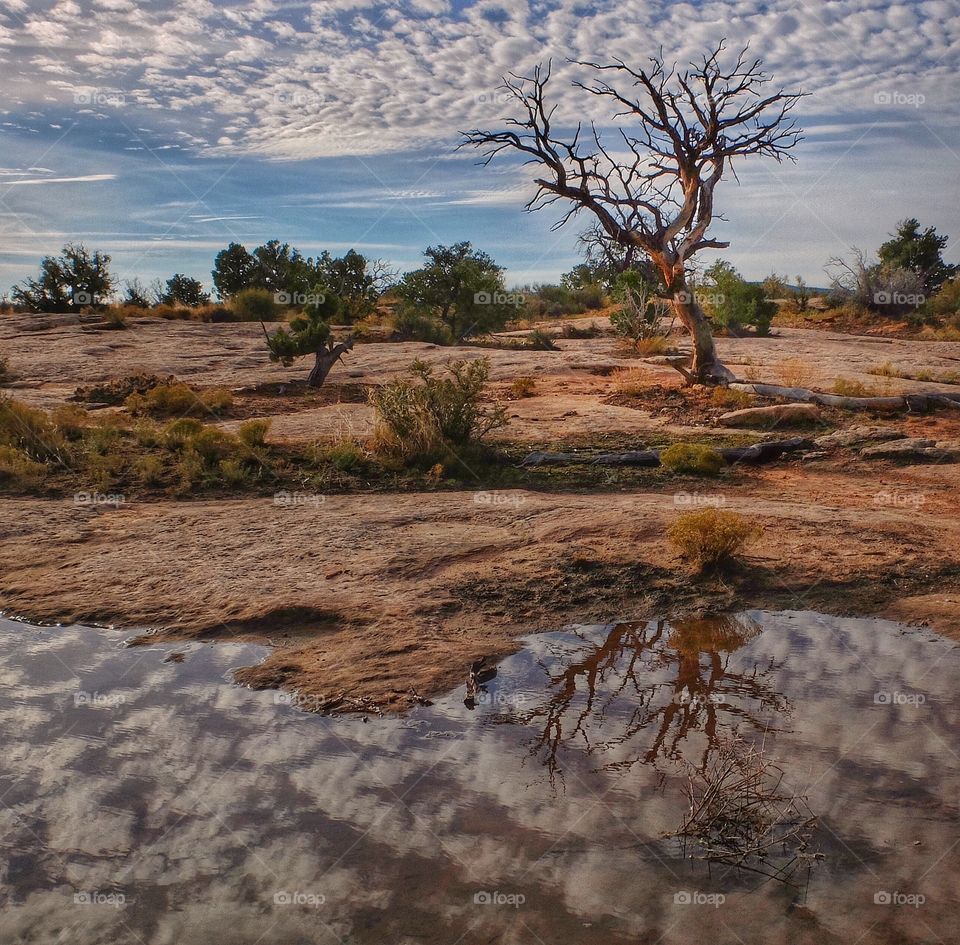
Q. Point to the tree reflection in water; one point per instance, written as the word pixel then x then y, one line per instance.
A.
pixel 638 694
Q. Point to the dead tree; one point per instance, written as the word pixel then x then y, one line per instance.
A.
pixel 685 131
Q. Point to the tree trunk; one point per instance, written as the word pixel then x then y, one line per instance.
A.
pixel 705 366
pixel 324 361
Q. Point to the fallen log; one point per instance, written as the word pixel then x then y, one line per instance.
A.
pixel 763 452
pixel 630 458
pixel 914 402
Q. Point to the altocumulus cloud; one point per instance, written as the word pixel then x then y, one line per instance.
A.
pixel 151 103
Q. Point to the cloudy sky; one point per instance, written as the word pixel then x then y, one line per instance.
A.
pixel 160 131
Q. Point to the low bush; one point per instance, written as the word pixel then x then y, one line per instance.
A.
pixel 555 301
pixel 253 433
pixel 575 331
pixel 411 325
pixel 731 399
pixel 691 458
pixel 253 305
pixel 710 537
pixel 346 454
pixel 31 431
pixel 541 340
pixel 419 419
pixel 523 387
pixel 118 389
pixel 17 468
pixel 169 400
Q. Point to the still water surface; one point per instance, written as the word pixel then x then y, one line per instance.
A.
pixel 144 800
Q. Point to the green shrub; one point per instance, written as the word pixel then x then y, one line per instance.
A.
pixel 692 458
pixel 31 431
pixel 17 468
pixel 346 454
pixel 411 325
pixel 733 303
pixel 419 419
pixel 169 400
pixel 709 537
pixel 253 433
pixel 150 469
pixel 254 305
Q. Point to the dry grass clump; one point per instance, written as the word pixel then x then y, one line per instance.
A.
pixel 253 432
pixel 631 381
pixel 710 537
pixel 179 400
pixel 885 370
pixel 653 346
pixel 31 432
pixel 419 419
pixel 691 458
pixel 731 399
pixel 845 387
pixel 17 468
pixel 523 387
pixel 795 372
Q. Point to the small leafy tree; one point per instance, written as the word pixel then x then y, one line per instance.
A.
pixel 733 303
pixel 233 270
pixel 285 271
pixel 76 277
pixel 461 286
pixel 309 333
pixel 357 281
pixel 920 252
pixel 185 290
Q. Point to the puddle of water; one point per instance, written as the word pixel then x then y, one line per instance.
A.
pixel 149 801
